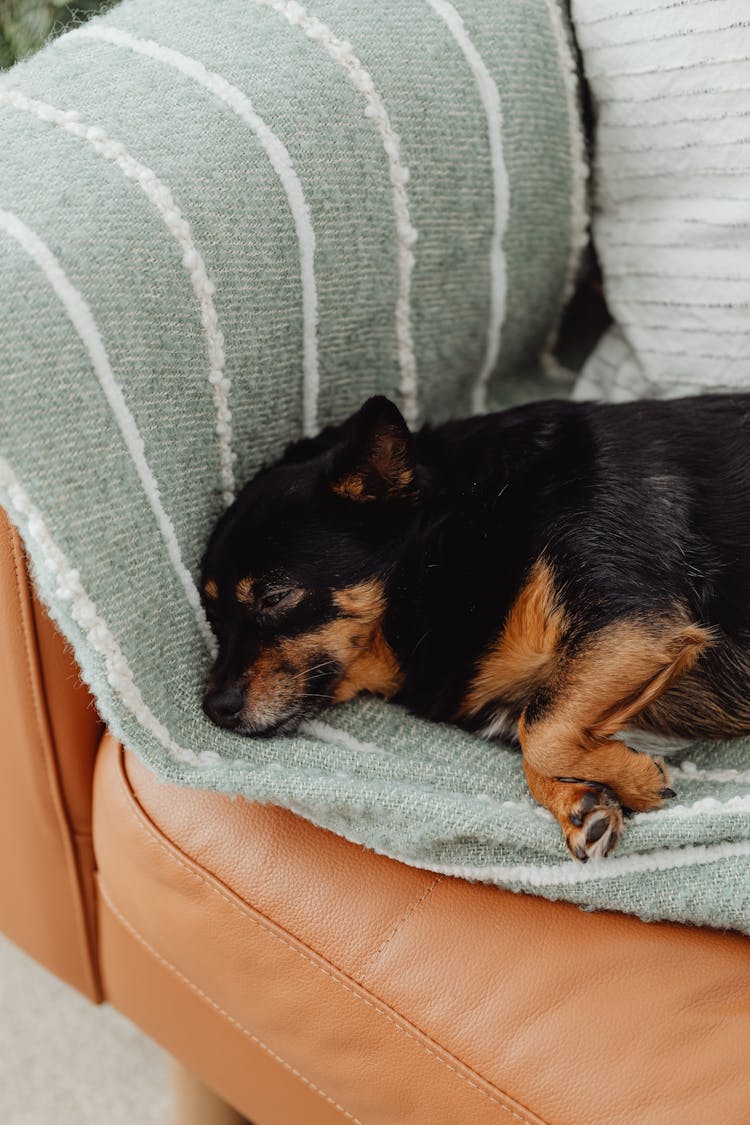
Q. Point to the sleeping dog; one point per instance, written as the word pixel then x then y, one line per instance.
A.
pixel 553 575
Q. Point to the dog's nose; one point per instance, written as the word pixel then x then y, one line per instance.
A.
pixel 224 706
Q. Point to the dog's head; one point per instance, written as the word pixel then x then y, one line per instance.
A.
pixel 295 575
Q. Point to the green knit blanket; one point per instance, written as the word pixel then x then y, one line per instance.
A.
pixel 222 230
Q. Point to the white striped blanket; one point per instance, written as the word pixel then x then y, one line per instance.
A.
pixel 217 234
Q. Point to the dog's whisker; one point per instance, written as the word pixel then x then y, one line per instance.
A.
pixel 309 671
pixel 424 635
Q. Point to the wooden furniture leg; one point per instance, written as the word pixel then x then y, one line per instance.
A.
pixel 194 1104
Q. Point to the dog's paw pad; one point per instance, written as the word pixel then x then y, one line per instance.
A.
pixel 595 823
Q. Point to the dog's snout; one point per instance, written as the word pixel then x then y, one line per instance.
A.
pixel 224 706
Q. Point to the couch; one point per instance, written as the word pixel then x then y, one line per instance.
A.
pixel 294 976
pixel 297 977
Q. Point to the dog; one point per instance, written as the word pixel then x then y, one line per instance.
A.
pixel 553 575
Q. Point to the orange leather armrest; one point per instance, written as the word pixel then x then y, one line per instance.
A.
pixel 49 734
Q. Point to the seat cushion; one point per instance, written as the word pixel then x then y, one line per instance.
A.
pixel 308 978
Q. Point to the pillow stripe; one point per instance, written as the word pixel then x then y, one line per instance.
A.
pixel 161 197
pixel 689 304
pixel 670 36
pixel 638 325
pixel 658 71
pixel 629 12
pixel 658 149
pixel 635 99
pixel 678 277
pixel 655 27
pixel 490 99
pixel 283 165
pixel 642 220
pixel 616 126
pixel 666 173
pixel 343 54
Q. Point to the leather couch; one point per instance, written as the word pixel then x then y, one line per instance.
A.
pixel 306 980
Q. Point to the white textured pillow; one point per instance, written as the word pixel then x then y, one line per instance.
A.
pixel 670 80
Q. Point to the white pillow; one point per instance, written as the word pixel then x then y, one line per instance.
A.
pixel 670 82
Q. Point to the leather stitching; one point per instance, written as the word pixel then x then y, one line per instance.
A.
pixel 398 925
pixel 173 854
pixel 221 1011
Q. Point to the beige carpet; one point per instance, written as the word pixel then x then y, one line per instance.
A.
pixel 65 1062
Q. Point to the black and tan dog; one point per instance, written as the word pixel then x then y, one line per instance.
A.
pixel 550 574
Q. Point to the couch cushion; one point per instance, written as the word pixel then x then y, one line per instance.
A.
pixel 400 995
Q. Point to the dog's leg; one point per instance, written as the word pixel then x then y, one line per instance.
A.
pixel 565 731
pixel 589 813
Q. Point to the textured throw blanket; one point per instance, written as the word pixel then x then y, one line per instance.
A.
pixel 220 231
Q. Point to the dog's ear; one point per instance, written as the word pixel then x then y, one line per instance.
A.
pixel 375 461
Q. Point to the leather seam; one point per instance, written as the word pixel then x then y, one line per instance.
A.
pixel 148 830
pixel 47 742
pixel 410 910
pixel 217 1008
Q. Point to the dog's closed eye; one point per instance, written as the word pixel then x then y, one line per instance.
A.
pixel 278 599
pixel 280 596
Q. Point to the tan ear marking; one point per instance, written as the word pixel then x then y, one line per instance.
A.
pixel 384 471
pixel 211 590
pixel 389 458
pixel 244 590
pixel 351 488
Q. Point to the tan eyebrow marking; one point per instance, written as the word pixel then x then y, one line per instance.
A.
pixel 365 600
pixel 211 589
pixel 244 590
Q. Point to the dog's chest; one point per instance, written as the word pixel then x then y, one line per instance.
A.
pixel 502 725
pixel 520 660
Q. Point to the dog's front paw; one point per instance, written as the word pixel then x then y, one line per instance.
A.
pixel 593 822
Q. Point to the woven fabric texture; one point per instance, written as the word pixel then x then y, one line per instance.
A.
pixel 218 233
pixel 672 209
